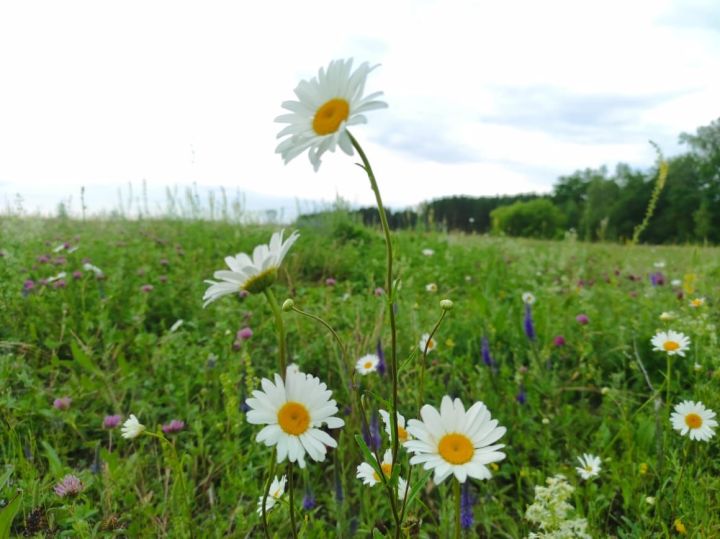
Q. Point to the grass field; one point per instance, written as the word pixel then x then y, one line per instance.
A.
pixel 89 345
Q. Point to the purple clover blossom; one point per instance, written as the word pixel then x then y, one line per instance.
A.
pixel 69 486
pixel 63 403
pixel 43 259
pixel 467 500
pixel 244 334
pixel 559 341
pixel 111 421
pixel 582 319
pixel 657 278
pixel 77 274
pixel 528 323
pixel 173 427
pixel 381 367
pixel 147 288
pixel 60 283
pixel 330 281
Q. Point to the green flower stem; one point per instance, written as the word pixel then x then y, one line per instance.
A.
pixel 291 496
pixel 423 359
pixel 390 292
pixel 456 488
pixel 266 492
pixel 280 329
pixel 668 380
pixel 342 365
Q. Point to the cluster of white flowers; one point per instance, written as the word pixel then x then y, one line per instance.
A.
pixel 550 510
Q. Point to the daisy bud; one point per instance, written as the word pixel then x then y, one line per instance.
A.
pixel 446 304
pixel 287 305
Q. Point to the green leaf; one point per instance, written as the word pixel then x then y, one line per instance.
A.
pixel 417 487
pixel 367 454
pixel 82 358
pixel 54 461
pixel 7 514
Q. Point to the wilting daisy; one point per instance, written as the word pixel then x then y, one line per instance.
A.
pixel 697 302
pixel 132 428
pixel 671 342
pixel 294 411
pixel 252 274
pixel 694 420
pixel 277 489
pixel 455 441
pixel 528 298
pixel 589 466
pixel 369 476
pixel 426 341
pixel 403 435
pixel 326 105
pixel 367 364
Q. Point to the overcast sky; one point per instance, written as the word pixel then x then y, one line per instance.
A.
pixel 485 97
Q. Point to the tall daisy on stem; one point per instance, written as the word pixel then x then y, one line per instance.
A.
pixel 318 122
pixel 256 274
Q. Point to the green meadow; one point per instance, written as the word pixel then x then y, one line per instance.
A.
pixel 124 331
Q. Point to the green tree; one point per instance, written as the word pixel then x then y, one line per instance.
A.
pixel 537 218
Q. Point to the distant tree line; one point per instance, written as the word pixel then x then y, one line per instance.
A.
pixel 595 203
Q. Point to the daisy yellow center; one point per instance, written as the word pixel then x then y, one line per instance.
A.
pixel 258 283
pixel 670 346
pixel 402 434
pixel 386 468
pixel 456 448
pixel 368 365
pixel 588 468
pixel 694 421
pixel 330 115
pixel 293 418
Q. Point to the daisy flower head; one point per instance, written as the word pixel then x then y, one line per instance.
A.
pixel 326 106
pixel 277 489
pixel 132 428
pixel 426 341
pixel 403 435
pixel 528 298
pixel 671 342
pixel 252 274
pixel 697 303
pixel 452 441
pixel 694 420
pixel 367 364
pixel 667 316
pixel 294 411
pixel 369 476
pixel 431 287
pixel 428 252
pixel 589 466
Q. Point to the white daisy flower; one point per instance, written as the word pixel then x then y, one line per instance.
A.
pixel 694 420
pixel 252 274
pixel 367 364
pixel 176 325
pixel 277 489
pixel 671 342
pixel 455 442
pixel 132 428
pixel 425 340
pixel 590 466
pixel 294 411
pixel 403 435
pixel 431 287
pixel 528 298
pixel 326 105
pixel 666 316
pixel 676 283
pixel 428 252
pixel 659 264
pixel 57 277
pixel 697 302
pixel 369 476
pixel 89 267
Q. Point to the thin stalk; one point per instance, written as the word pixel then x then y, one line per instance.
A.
pixel 456 488
pixel 280 329
pixel 391 296
pixel 291 496
pixel 668 380
pixel 266 492
pixel 421 389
